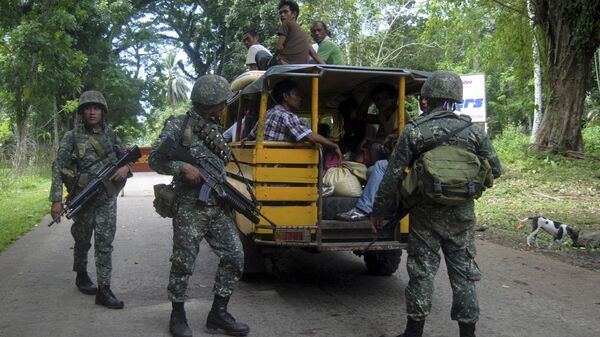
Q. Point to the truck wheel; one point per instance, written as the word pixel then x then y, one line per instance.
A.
pixel 254 262
pixel 383 263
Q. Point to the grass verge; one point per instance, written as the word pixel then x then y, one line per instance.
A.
pixel 23 202
pixel 540 184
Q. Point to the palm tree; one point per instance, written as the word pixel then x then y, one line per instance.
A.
pixel 177 86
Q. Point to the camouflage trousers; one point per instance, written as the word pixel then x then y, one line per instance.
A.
pixel 454 234
pixel 99 218
pixel 192 224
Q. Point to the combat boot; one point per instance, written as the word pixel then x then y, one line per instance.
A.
pixel 105 297
pixel 413 328
pixel 466 329
pixel 219 319
pixel 85 284
pixel 178 325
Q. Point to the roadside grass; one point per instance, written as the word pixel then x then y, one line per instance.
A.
pixel 533 184
pixel 23 202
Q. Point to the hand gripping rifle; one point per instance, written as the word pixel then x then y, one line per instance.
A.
pixel 214 179
pixel 75 202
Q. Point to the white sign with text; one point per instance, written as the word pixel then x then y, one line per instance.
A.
pixel 474 99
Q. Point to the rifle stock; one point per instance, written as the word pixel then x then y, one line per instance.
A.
pixel 214 179
pixel 75 202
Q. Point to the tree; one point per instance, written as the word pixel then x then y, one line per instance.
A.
pixel 176 85
pixel 37 63
pixel 571 35
pixel 482 36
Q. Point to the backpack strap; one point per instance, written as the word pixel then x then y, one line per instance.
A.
pixel 441 140
pixel 183 136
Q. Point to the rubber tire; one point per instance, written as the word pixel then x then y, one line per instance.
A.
pixel 254 261
pixel 334 205
pixel 383 263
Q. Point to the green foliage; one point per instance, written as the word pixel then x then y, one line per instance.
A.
pixel 5 131
pixel 591 140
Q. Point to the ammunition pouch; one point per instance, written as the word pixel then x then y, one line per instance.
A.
pixel 165 200
pixel 70 179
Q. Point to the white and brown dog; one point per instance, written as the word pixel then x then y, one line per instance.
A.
pixel 558 230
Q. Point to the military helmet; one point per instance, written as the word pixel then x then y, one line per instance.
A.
pixel 91 97
pixel 210 90
pixel 444 85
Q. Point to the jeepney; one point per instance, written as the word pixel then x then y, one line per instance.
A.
pixel 286 179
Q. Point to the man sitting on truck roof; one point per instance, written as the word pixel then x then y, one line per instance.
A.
pixel 293 45
pixel 281 124
pixel 256 51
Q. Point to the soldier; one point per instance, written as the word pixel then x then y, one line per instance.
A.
pixel 84 151
pixel 194 222
pixel 432 225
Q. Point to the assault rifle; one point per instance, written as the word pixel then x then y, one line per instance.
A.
pixel 389 225
pixel 75 202
pixel 214 179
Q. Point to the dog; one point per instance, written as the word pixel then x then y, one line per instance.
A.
pixel 557 229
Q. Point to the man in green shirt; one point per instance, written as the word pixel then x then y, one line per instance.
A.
pixel 329 51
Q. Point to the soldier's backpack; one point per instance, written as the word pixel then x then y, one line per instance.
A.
pixel 446 174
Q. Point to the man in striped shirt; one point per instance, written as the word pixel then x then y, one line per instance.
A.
pixel 281 124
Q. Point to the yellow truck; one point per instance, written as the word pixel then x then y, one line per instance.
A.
pixel 286 179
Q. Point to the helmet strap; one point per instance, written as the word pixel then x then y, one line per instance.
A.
pixel 449 105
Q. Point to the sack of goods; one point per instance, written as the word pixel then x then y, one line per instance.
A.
pixel 245 79
pixel 165 200
pixel 448 175
pixel 345 184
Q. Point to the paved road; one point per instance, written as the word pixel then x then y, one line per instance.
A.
pixel 328 295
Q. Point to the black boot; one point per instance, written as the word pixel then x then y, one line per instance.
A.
pixel 466 329
pixel 85 284
pixel 178 325
pixel 413 328
pixel 106 298
pixel 219 318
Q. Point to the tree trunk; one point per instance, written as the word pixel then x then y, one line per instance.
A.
pixel 560 131
pixel 537 79
pixel 571 33
pixel 20 157
pixel 56 137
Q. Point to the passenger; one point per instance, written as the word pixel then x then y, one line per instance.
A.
pixel 329 51
pixel 293 46
pixel 281 124
pixel 258 55
pixel 384 96
pixel 354 130
pixel 364 205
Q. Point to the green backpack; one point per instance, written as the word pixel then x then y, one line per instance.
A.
pixel 446 174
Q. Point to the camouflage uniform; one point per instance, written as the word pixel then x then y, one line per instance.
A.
pixel 193 222
pixel 434 226
pixel 99 216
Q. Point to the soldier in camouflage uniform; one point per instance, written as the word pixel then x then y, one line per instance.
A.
pixel 194 222
pixel 84 151
pixel 432 225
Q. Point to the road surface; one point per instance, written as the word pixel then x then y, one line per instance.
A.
pixel 320 295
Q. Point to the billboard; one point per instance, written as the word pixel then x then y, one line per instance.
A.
pixel 474 100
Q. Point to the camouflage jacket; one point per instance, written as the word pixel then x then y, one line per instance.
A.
pixel 410 145
pixel 197 145
pixel 81 154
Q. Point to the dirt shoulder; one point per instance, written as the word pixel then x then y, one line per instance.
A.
pixel 581 257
